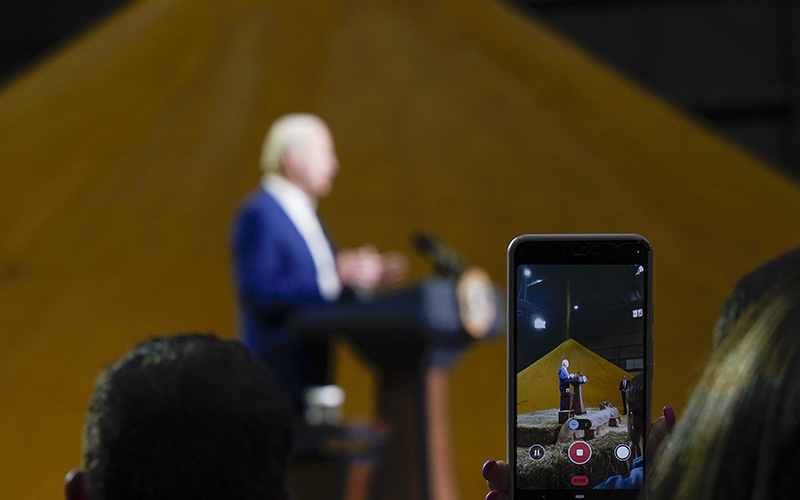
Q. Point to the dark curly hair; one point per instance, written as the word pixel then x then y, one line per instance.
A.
pixel 187 416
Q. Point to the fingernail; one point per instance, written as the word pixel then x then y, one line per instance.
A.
pixel 488 466
pixel 492 494
pixel 669 416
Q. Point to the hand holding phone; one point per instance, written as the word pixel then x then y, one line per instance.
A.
pixel 496 475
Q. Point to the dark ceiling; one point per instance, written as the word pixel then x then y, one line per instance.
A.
pixel 590 290
pixel 31 29
pixel 594 305
pixel 734 64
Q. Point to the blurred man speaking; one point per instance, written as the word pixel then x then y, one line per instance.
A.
pixel 283 258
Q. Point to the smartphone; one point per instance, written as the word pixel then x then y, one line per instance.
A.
pixel 580 365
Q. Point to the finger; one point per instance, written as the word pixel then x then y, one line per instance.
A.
pixel 669 416
pixel 396 263
pixel 658 431
pixel 496 495
pixel 394 256
pixel 394 272
pixel 496 475
pixel 368 249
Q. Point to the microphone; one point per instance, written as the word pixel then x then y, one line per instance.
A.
pixel 445 260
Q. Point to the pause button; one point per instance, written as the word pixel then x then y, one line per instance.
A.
pixel 536 452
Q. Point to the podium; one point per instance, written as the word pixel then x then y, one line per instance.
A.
pixel 412 337
pixel 574 400
pixel 577 401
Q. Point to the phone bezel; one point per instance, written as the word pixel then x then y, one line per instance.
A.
pixel 551 249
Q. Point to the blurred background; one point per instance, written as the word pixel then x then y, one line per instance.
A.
pixel 732 64
pixel 129 131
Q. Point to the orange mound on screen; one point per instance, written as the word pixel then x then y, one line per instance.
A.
pixel 537 385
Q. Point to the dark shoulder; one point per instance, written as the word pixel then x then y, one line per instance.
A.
pixel 257 199
pixel 254 217
pixel 257 205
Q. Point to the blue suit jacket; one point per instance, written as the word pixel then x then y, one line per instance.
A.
pixel 275 274
pixel 563 375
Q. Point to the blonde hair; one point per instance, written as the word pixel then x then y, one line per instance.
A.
pixel 742 425
pixel 287 132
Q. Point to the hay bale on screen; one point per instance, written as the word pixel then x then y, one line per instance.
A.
pixel 555 469
pixel 539 427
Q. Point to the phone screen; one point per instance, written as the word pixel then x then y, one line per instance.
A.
pixel 579 365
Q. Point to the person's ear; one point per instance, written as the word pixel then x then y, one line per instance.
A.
pixel 73 485
pixel 638 429
pixel 289 162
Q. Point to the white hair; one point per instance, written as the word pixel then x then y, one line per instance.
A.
pixel 565 363
pixel 288 131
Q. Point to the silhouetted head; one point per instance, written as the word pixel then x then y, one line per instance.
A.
pixel 753 290
pixel 189 416
pixel 739 435
pixel 637 413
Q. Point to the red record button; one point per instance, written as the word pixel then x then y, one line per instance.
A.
pixel 580 452
pixel 579 480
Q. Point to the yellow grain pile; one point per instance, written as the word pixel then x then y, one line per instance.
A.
pixel 537 385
